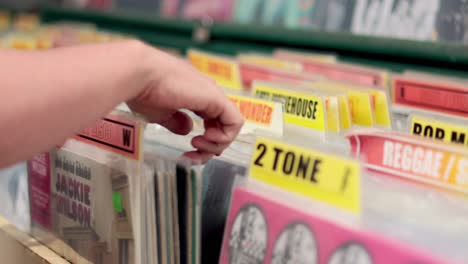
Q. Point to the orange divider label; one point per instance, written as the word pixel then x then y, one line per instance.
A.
pixel 259 114
pixel 115 134
pixel 225 71
pixel 4 20
pixel 254 110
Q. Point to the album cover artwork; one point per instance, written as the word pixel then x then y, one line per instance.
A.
pixel 217 10
pixel 83 203
pixel 274 13
pixel 333 15
pixel 263 229
pixel 14 196
pixel 248 11
pixel 452 21
pixel 407 19
pixel 300 13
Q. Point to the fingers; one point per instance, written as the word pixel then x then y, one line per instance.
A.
pixel 202 144
pixel 225 128
pixel 199 156
pixel 220 129
pixel 174 86
pixel 222 121
pixel 179 123
pixel 205 149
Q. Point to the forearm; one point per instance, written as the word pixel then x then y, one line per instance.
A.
pixel 48 96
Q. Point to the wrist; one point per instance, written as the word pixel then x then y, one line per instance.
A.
pixel 142 66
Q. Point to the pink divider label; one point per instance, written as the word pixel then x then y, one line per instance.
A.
pixel 342 73
pixel 431 96
pixel 115 134
pixel 413 158
pixel 39 189
pixel 263 231
pixel 251 72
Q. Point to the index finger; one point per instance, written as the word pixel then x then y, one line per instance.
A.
pixel 229 122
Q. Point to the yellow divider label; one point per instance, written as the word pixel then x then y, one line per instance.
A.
pixel 300 109
pixel 22 43
pixel 381 109
pixel 359 102
pixel 333 114
pixel 269 62
pixel 223 70
pixel 320 176
pixel 345 114
pixel 440 130
pixel 26 22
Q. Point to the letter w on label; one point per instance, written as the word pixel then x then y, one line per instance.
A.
pixel 316 175
pixel 126 134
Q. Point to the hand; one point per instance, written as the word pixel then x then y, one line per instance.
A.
pixel 172 85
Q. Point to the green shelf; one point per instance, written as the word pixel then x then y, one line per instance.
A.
pixel 392 54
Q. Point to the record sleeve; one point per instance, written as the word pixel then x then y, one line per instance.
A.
pixel 218 178
pixel 257 233
pixel 85 196
pixel 333 15
pixel 15 196
pixel 216 10
pixel 89 210
pixel 392 208
pixel 448 26
pixel 398 18
pixel 170 8
pixel 299 14
pixel 177 208
pixel 248 11
pixel 274 13
pixel 404 210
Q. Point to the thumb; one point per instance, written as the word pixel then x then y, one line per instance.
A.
pixel 178 123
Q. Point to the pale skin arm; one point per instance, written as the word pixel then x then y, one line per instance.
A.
pixel 48 96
